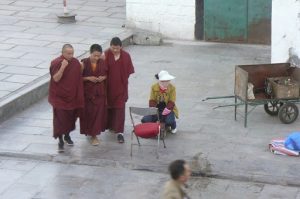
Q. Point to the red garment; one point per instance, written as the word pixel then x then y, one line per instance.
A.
pixel 118 74
pixel 93 119
pixel 64 121
pixel 116 119
pixel 67 93
pixel 66 96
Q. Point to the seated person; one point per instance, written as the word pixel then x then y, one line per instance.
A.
pixel 163 97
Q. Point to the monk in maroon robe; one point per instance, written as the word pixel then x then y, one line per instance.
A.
pixel 93 119
pixel 65 94
pixel 119 69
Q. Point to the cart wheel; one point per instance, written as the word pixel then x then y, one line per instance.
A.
pixel 288 113
pixel 272 107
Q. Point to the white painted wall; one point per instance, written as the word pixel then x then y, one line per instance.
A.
pixel 285 29
pixel 172 18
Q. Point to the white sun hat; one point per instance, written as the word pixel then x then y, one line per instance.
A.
pixel 165 76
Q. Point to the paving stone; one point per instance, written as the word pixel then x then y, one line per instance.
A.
pixel 31 14
pixel 9 86
pixel 10 54
pixel 37 24
pixel 14 8
pixel 23 71
pixel 28 42
pixel 8 177
pixel 31 4
pixel 6 2
pixel 12 28
pixel 42 31
pixel 21 191
pixel 47 10
pixel 42 57
pixel 19 35
pixel 92 14
pixel 21 78
pixel 6 12
pixel 107 20
pixel 76 46
pixel 20 62
pixel 4 75
pixel 6 46
pixel 93 8
pixel 60 38
pixel 18 165
pixel 279 192
pixel 36 49
pixel 4 93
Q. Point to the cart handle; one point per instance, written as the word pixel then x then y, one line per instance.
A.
pixel 218 97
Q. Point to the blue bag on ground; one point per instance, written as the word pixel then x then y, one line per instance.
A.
pixel 292 142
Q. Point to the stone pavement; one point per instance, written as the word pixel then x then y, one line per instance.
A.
pixel 27 179
pixel 213 143
pixel 30 37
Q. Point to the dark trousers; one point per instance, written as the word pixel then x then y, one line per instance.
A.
pixel 169 119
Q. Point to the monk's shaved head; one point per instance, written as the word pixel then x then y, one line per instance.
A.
pixel 65 46
pixel 67 51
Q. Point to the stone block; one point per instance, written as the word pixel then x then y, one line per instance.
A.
pixel 147 38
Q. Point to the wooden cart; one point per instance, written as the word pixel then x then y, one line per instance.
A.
pixel 257 75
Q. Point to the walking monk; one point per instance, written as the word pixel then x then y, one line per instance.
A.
pixel 65 94
pixel 119 69
pixel 93 119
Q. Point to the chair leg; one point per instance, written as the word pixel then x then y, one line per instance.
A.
pixel 158 138
pixel 131 143
pixel 138 140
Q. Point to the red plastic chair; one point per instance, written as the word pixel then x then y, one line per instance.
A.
pixel 145 130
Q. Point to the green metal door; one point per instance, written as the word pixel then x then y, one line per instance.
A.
pixel 243 21
pixel 259 21
pixel 225 20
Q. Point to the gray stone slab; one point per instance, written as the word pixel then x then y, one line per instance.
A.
pixel 34 24
pixel 77 46
pixel 31 4
pixel 10 54
pixel 59 38
pixel 47 10
pixel 4 75
pixel 41 57
pixel 21 78
pixel 7 12
pixel 9 86
pixel 20 62
pixel 19 35
pixel 93 8
pixel 36 49
pixel 23 71
pixel 47 31
pixel 279 192
pixel 92 14
pixel 31 14
pixel 4 93
pixel 18 165
pixel 107 20
pixel 21 191
pixel 8 177
pixel 29 42
pixel 6 2
pixel 12 28
pixel 14 8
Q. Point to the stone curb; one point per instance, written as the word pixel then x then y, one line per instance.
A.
pixel 65 159
pixel 35 91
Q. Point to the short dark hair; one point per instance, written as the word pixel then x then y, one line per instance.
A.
pixel 95 47
pixel 66 46
pixel 116 41
pixel 176 169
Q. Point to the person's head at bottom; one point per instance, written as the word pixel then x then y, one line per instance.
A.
pixel 180 171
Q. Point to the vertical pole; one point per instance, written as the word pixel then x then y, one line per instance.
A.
pixel 235 107
pixel 246 113
pixel 65 7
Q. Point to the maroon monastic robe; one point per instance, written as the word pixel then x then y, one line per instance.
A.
pixel 93 119
pixel 66 96
pixel 117 90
